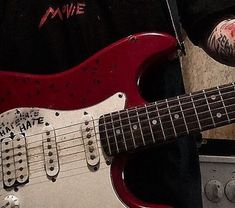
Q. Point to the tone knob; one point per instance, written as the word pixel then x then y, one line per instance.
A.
pixel 214 190
pixel 11 201
pixel 230 191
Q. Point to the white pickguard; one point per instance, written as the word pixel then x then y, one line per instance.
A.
pixel 75 185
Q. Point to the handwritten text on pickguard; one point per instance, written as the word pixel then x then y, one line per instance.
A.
pixel 23 121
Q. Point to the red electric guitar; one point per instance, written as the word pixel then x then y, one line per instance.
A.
pixel 60 133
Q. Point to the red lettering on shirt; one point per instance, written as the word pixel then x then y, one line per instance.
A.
pixel 64 12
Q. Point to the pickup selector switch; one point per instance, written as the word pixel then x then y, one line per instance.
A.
pixel 214 190
pixel 230 190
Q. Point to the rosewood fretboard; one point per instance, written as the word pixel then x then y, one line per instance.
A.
pixel 161 121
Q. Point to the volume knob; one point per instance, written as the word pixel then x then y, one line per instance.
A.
pixel 230 191
pixel 11 201
pixel 214 190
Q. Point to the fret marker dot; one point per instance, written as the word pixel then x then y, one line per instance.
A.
pixel 118 131
pixel 213 97
pixel 176 116
pixel 154 122
pixel 135 127
pixel 219 115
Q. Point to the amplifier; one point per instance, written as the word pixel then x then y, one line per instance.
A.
pixel 218 175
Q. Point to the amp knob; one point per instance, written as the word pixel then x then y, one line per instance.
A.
pixel 11 201
pixel 214 190
pixel 230 191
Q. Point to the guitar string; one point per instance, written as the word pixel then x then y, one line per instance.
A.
pixel 122 148
pixel 65 170
pixel 79 145
pixel 128 125
pixel 153 104
pixel 69 169
pixel 62 171
pixel 168 108
pixel 77 168
pixel 125 125
pixel 63 177
pixel 160 109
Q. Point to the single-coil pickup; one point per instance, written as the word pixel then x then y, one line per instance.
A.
pixel 90 143
pixel 20 159
pixel 51 158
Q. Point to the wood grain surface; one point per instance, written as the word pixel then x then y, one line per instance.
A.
pixel 200 72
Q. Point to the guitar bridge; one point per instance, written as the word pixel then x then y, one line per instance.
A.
pixel 90 142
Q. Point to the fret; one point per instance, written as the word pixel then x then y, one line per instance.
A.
pixel 194 107
pixel 173 125
pixel 177 116
pixel 165 119
pixel 209 108
pixel 126 129
pixel 148 118
pixel 203 109
pixel 160 121
pixel 129 121
pixel 148 136
pixel 225 109
pixel 109 133
pixel 216 105
pixel 228 95
pixel 120 122
pixel 189 113
pixel 141 128
pixel 183 116
pixel 103 128
pixel 136 128
pixel 155 122
pixel 117 131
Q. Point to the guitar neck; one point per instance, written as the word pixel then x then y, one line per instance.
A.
pixel 161 121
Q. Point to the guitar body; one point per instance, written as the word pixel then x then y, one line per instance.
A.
pixel 106 82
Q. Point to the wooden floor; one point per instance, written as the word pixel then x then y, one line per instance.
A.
pixel 200 72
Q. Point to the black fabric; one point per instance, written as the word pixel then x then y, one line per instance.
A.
pixel 77 29
pixel 170 173
pixel 199 16
pixel 62 42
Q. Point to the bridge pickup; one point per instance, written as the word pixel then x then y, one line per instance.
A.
pixel 20 158
pixel 51 158
pixel 90 142
pixel 14 160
